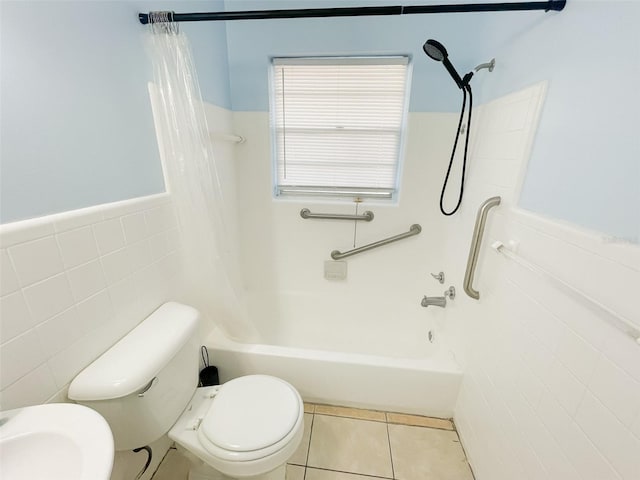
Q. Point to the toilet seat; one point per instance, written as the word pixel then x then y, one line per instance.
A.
pixel 251 417
pixel 188 433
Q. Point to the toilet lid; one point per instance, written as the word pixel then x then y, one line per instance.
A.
pixel 251 413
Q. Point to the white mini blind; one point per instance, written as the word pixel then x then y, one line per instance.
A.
pixel 338 125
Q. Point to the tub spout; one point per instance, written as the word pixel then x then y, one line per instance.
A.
pixel 439 301
pixel 435 301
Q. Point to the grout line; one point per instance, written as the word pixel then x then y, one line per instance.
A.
pixel 172 447
pixel 351 473
pixel 464 451
pixel 306 460
pixel 393 472
pixel 351 417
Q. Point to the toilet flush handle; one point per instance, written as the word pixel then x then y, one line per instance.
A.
pixel 148 386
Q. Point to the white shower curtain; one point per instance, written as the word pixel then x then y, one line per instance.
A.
pixel 214 283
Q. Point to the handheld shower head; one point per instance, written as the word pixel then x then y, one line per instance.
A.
pixel 437 52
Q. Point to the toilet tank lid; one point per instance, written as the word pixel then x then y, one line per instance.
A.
pixel 133 362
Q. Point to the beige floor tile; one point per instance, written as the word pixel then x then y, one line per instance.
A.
pixel 427 454
pixel 351 413
pixel 350 445
pixel 173 467
pixel 309 407
pixel 316 474
pixel 300 455
pixel 419 421
pixel 295 472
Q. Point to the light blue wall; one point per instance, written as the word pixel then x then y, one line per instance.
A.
pixel 76 123
pixel 253 42
pixel 585 165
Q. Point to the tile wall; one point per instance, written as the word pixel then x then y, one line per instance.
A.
pixel 551 390
pixel 73 284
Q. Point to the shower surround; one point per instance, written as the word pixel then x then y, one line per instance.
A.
pixel 366 341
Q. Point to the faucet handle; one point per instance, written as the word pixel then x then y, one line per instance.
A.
pixel 450 292
pixel 439 276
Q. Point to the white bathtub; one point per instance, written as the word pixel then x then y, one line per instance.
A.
pixel 425 385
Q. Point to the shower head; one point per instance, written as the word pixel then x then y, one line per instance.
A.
pixel 437 52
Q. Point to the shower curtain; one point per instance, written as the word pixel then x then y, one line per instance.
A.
pixel 214 283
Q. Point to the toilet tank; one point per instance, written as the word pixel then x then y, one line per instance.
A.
pixel 142 384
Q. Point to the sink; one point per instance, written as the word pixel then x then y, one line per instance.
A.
pixel 55 441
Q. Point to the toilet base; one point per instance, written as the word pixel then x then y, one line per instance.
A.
pixel 199 470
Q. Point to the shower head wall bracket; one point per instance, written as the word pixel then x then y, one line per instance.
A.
pixel 489 65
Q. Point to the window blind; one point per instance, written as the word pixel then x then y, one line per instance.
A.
pixel 338 124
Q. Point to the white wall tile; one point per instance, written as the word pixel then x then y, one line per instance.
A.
pixel 173 237
pixel 553 415
pixel 67 363
pixel 34 388
pixel 566 387
pixel 25 231
pixel 548 450
pixel 635 428
pixel 135 227
pixel 47 298
pixel 86 280
pixel 617 391
pixel 109 235
pixel 577 355
pixel 160 218
pixel 585 424
pixel 95 312
pixel 117 265
pixel 25 347
pixel 8 278
pixel 78 218
pixel 37 260
pixel 59 332
pixel 530 386
pixel 159 245
pixel 125 298
pixel 538 357
pixel 624 352
pixel 139 255
pixel 617 444
pixel 64 313
pixel 14 316
pixel 585 456
pixel 77 246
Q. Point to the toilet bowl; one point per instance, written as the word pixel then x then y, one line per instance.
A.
pixel 247 427
pixel 146 386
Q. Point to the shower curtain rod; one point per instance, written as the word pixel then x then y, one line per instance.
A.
pixel 556 5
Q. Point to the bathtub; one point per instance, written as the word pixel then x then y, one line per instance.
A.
pixel 425 384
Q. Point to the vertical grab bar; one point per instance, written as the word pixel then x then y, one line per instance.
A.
pixel 476 241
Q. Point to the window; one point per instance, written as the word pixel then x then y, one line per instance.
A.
pixel 338 125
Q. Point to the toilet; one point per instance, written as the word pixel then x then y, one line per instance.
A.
pixel 145 386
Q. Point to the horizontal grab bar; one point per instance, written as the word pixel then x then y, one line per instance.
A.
pixel 415 229
pixel 227 137
pixel 366 216
pixel 615 318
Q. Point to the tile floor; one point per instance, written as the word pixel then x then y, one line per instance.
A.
pixel 351 444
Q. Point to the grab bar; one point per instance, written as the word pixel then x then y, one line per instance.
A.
pixel 615 318
pixel 227 137
pixel 366 216
pixel 414 229
pixel 476 241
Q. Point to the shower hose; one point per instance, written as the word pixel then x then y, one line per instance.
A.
pixel 466 89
